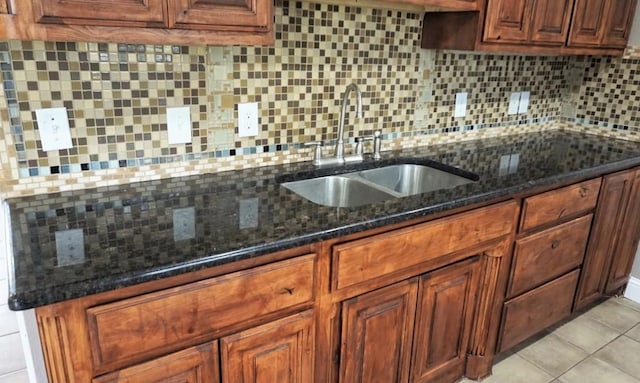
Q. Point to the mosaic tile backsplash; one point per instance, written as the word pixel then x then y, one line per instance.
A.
pixel 117 95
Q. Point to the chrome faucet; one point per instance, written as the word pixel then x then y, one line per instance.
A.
pixel 340 144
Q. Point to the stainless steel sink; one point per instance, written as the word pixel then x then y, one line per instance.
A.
pixel 374 185
pixel 337 191
pixel 410 179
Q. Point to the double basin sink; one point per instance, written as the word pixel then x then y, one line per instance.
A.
pixel 373 185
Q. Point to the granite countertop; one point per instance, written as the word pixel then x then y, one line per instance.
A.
pixel 72 244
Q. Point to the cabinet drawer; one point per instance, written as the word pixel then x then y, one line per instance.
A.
pixel 163 321
pixel 557 204
pixel 400 251
pixel 543 256
pixel 538 309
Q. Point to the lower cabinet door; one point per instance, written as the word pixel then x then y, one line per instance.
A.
pixel 446 303
pixel 280 351
pixel 376 335
pixel 194 365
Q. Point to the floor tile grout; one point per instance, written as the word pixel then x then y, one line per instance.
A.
pixel 575 352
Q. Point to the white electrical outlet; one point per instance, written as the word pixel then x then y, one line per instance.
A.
pixel 70 247
pixel 248 213
pixel 179 125
pixel 461 105
pixel 184 223
pixel 53 125
pixel 248 119
pixel 523 106
pixel 514 102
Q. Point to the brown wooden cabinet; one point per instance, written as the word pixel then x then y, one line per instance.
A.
pixel 614 238
pixel 382 343
pixel 377 328
pixel 528 21
pixel 118 13
pixel 446 304
pixel 548 254
pixel 194 365
pixel 281 351
pixel 602 23
pixel 144 21
pixel 535 26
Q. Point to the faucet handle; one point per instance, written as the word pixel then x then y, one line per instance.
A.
pixel 377 144
pixel 317 154
pixel 360 143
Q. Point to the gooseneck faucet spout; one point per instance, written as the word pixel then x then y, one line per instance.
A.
pixel 343 111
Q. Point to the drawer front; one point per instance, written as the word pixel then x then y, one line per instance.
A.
pixel 163 321
pixel 557 204
pixel 543 256
pixel 538 309
pixel 401 250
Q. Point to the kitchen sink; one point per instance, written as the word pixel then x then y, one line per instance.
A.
pixel 410 179
pixel 337 191
pixel 373 185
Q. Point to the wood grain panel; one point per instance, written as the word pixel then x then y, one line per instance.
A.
pixel 543 256
pixel 231 15
pixel 117 13
pixel 538 309
pixel 446 304
pixel 508 20
pixel 559 204
pixel 627 245
pixel 551 19
pixel 588 22
pixel 281 351
pixel 614 197
pixel 617 25
pixel 164 320
pixel 362 260
pixel 194 365
pixel 376 335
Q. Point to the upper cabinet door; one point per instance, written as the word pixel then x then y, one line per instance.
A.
pixel 551 20
pixel 618 23
pixel 117 13
pixel 602 23
pixel 508 20
pixel 231 15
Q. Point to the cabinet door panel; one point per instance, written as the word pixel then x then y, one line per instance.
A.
pixel 194 365
pixel 508 20
pixel 613 197
pixel 281 351
pixel 118 13
pixel 618 23
pixel 627 241
pixel 446 303
pixel 588 19
pixel 231 15
pixel 544 256
pixel 376 335
pixel 551 21
pixel 537 309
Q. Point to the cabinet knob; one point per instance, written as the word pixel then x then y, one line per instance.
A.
pixel 555 244
pixel 583 192
pixel 287 290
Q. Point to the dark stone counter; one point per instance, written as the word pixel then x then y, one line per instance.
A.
pixel 72 244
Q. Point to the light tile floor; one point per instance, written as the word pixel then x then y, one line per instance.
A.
pixel 601 345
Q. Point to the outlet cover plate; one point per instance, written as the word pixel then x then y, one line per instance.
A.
pixel 53 124
pixel 179 125
pixel 70 247
pixel 248 119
